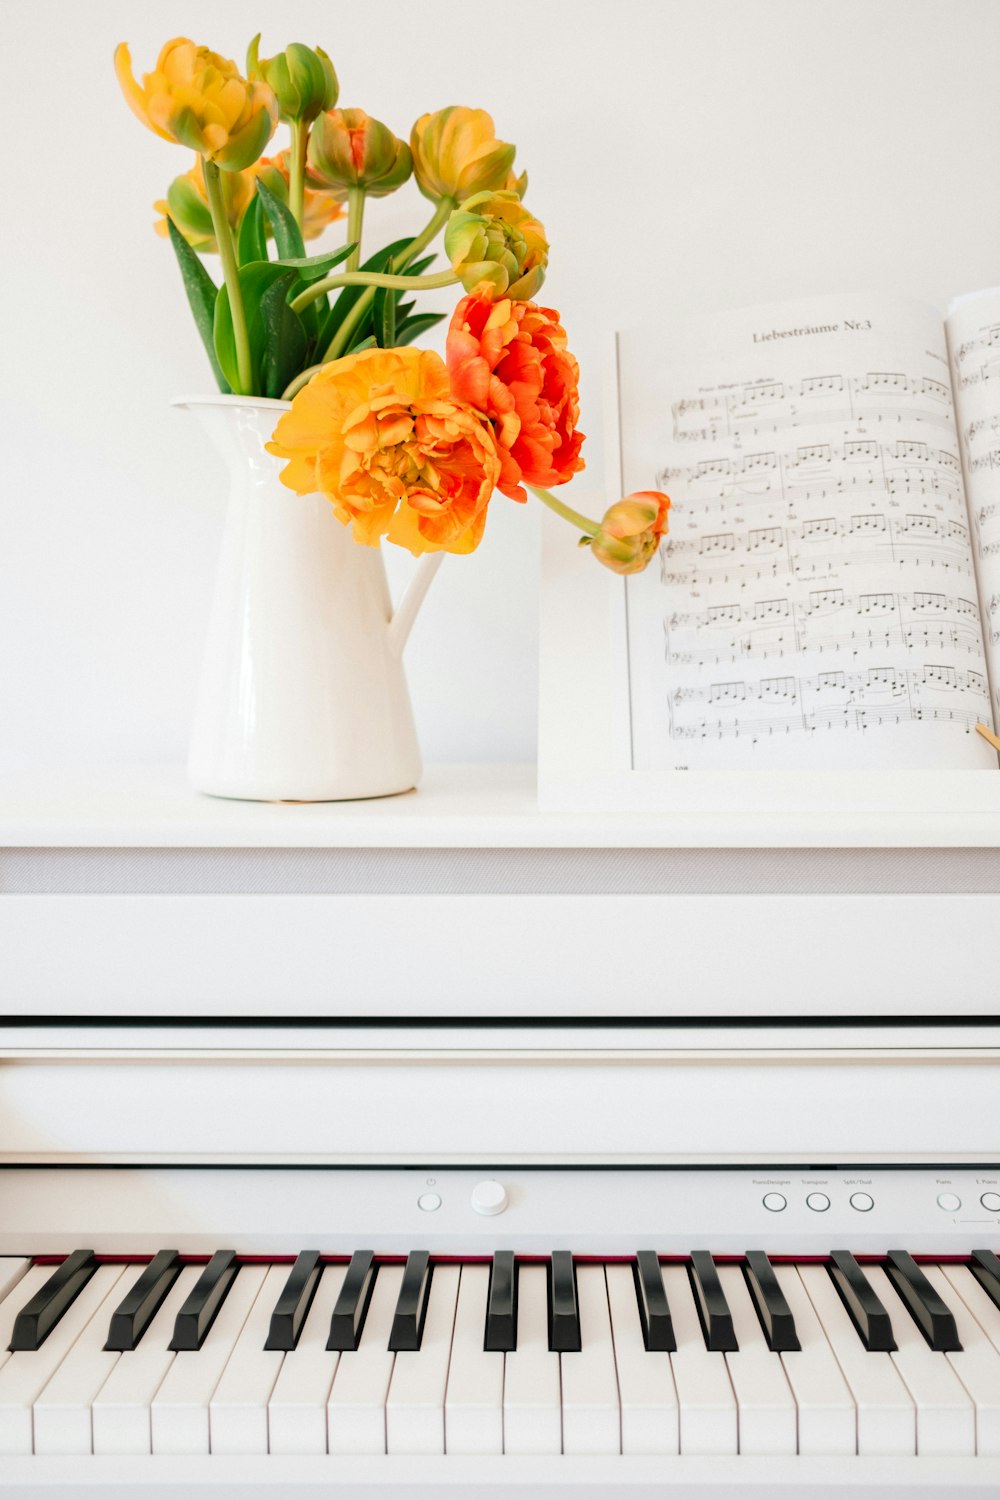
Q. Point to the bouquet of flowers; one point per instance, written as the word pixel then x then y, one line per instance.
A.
pixel 404 444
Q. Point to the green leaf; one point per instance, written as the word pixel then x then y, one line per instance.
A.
pixel 287 236
pixel 350 294
pixel 419 266
pixel 414 327
pixel 286 342
pixel 311 267
pixel 250 242
pixel 201 294
pixel 368 343
pixel 255 279
pixel 384 317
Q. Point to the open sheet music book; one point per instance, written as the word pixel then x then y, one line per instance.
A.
pixel 829 594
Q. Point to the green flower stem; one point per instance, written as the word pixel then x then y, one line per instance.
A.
pixel 230 271
pixel 317 289
pixel 591 528
pixel 342 338
pixel 294 386
pixel 355 218
pixel 438 219
pixel 297 170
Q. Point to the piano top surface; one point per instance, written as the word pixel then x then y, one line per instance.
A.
pixel 135 805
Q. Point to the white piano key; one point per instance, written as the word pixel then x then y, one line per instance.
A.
pixel 591 1411
pixel 763 1396
pixel 62 1410
pixel 473 1412
pixel 946 1418
pixel 237 1412
pixel 707 1404
pixel 981 1306
pixel 17 1295
pixel 827 1415
pixel 296 1412
pixel 977 1363
pixel 180 1422
pixel 886 1415
pixel 26 1373
pixel 532 1415
pixel 120 1413
pixel 646 1390
pixel 414 1411
pixel 356 1407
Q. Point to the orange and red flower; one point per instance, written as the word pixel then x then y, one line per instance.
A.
pixel 380 434
pixel 509 360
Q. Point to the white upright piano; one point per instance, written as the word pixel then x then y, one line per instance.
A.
pixel 439 1146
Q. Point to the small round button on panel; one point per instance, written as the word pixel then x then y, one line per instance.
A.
pixel 429 1202
pixel 950 1202
pixel 818 1202
pixel 489 1197
pixel 863 1202
pixel 775 1202
pixel 991 1202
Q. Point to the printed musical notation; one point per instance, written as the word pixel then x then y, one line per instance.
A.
pixel 775 405
pixel 817 588
pixel 974 336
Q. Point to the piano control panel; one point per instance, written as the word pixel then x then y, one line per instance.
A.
pixel 465 1212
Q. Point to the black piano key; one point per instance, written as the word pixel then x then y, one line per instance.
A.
pixel 351 1307
pixel 38 1317
pixel 564 1310
pixel 207 1296
pixel 139 1306
pixel 296 1298
pixel 929 1313
pixel 713 1309
pixel 501 1304
pixel 654 1309
pixel 411 1304
pixel 985 1267
pixel 862 1302
pixel 772 1309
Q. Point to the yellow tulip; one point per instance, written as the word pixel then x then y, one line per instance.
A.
pixel 494 238
pixel 199 99
pixel 456 153
pixel 186 202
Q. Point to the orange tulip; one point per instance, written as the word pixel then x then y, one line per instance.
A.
pixel 509 360
pixel 348 149
pixel 381 436
pixel 199 99
pixel 630 531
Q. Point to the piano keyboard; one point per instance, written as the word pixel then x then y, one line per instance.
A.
pixel 701 1356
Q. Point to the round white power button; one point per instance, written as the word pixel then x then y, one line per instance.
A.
pixel 991 1202
pixel 429 1202
pixel 818 1202
pixel 950 1202
pixel 863 1202
pixel 489 1197
pixel 775 1202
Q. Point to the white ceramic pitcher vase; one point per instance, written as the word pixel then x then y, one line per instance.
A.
pixel 303 696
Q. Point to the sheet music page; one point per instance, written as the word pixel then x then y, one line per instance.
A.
pixel 815 605
pixel 973 329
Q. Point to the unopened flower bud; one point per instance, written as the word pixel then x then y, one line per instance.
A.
pixel 302 79
pixel 350 149
pixel 630 532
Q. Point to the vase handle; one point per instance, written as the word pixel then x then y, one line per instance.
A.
pixel 402 620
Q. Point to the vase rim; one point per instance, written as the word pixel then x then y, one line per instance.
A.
pixel 218 399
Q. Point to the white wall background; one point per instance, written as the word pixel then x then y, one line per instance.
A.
pixel 686 154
